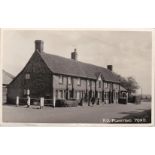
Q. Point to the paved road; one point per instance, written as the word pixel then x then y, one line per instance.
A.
pixel 84 114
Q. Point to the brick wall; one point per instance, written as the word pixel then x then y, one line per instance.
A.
pixel 39 84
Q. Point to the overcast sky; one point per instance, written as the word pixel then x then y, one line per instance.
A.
pixel 128 51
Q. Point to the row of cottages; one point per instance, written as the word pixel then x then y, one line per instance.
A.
pixel 55 77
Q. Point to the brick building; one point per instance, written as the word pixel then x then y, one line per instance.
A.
pixel 51 76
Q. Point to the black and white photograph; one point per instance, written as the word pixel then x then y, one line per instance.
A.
pixel 77 76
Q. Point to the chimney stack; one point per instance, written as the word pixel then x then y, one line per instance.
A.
pixel 39 45
pixel 74 55
pixel 110 67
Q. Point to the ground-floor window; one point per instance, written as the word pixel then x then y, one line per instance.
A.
pixel 79 94
pixel 70 94
pixel 60 94
pixel 56 94
pixel 106 95
pixel 116 95
pixel 93 93
pixel 99 95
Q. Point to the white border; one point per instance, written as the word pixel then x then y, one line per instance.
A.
pixel 87 124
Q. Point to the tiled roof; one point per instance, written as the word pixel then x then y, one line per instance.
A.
pixel 61 65
pixel 7 77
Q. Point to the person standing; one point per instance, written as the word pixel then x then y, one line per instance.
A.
pixel 93 100
pixel 89 100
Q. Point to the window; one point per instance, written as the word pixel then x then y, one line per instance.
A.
pixel 99 84
pixel 25 91
pixel 27 76
pixel 61 79
pixel 100 95
pixel 106 95
pixel 56 94
pixel 88 83
pixel 106 84
pixel 69 80
pixel 60 94
pixel 79 81
pixel 70 94
pixel 78 95
pixel 116 95
pixel 28 91
pixel 92 83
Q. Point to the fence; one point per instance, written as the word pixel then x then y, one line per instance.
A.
pixel 47 102
pixel 34 101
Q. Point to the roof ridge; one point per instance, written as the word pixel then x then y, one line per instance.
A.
pixel 75 60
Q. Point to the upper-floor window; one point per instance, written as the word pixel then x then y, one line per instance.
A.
pixel 106 84
pixel 27 76
pixel 79 81
pixel 69 80
pixel 88 83
pixel 61 79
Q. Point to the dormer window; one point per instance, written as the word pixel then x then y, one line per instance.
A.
pixel 27 76
pixel 99 83
pixel 106 85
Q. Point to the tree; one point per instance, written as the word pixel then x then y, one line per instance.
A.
pixel 129 83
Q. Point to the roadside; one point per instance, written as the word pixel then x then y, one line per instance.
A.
pixel 80 114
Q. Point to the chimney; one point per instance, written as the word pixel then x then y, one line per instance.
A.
pixel 74 55
pixel 39 45
pixel 109 67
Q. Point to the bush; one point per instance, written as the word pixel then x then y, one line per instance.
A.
pixel 67 103
pixel 60 103
pixel 72 103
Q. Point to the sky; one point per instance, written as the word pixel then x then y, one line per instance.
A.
pixel 128 51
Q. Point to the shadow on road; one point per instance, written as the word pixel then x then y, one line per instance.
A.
pixel 137 117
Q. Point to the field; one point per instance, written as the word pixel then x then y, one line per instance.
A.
pixel 104 113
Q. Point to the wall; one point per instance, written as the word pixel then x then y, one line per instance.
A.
pixel 40 82
pixel 87 88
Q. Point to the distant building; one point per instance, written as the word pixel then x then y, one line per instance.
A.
pixel 51 76
pixel 7 78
